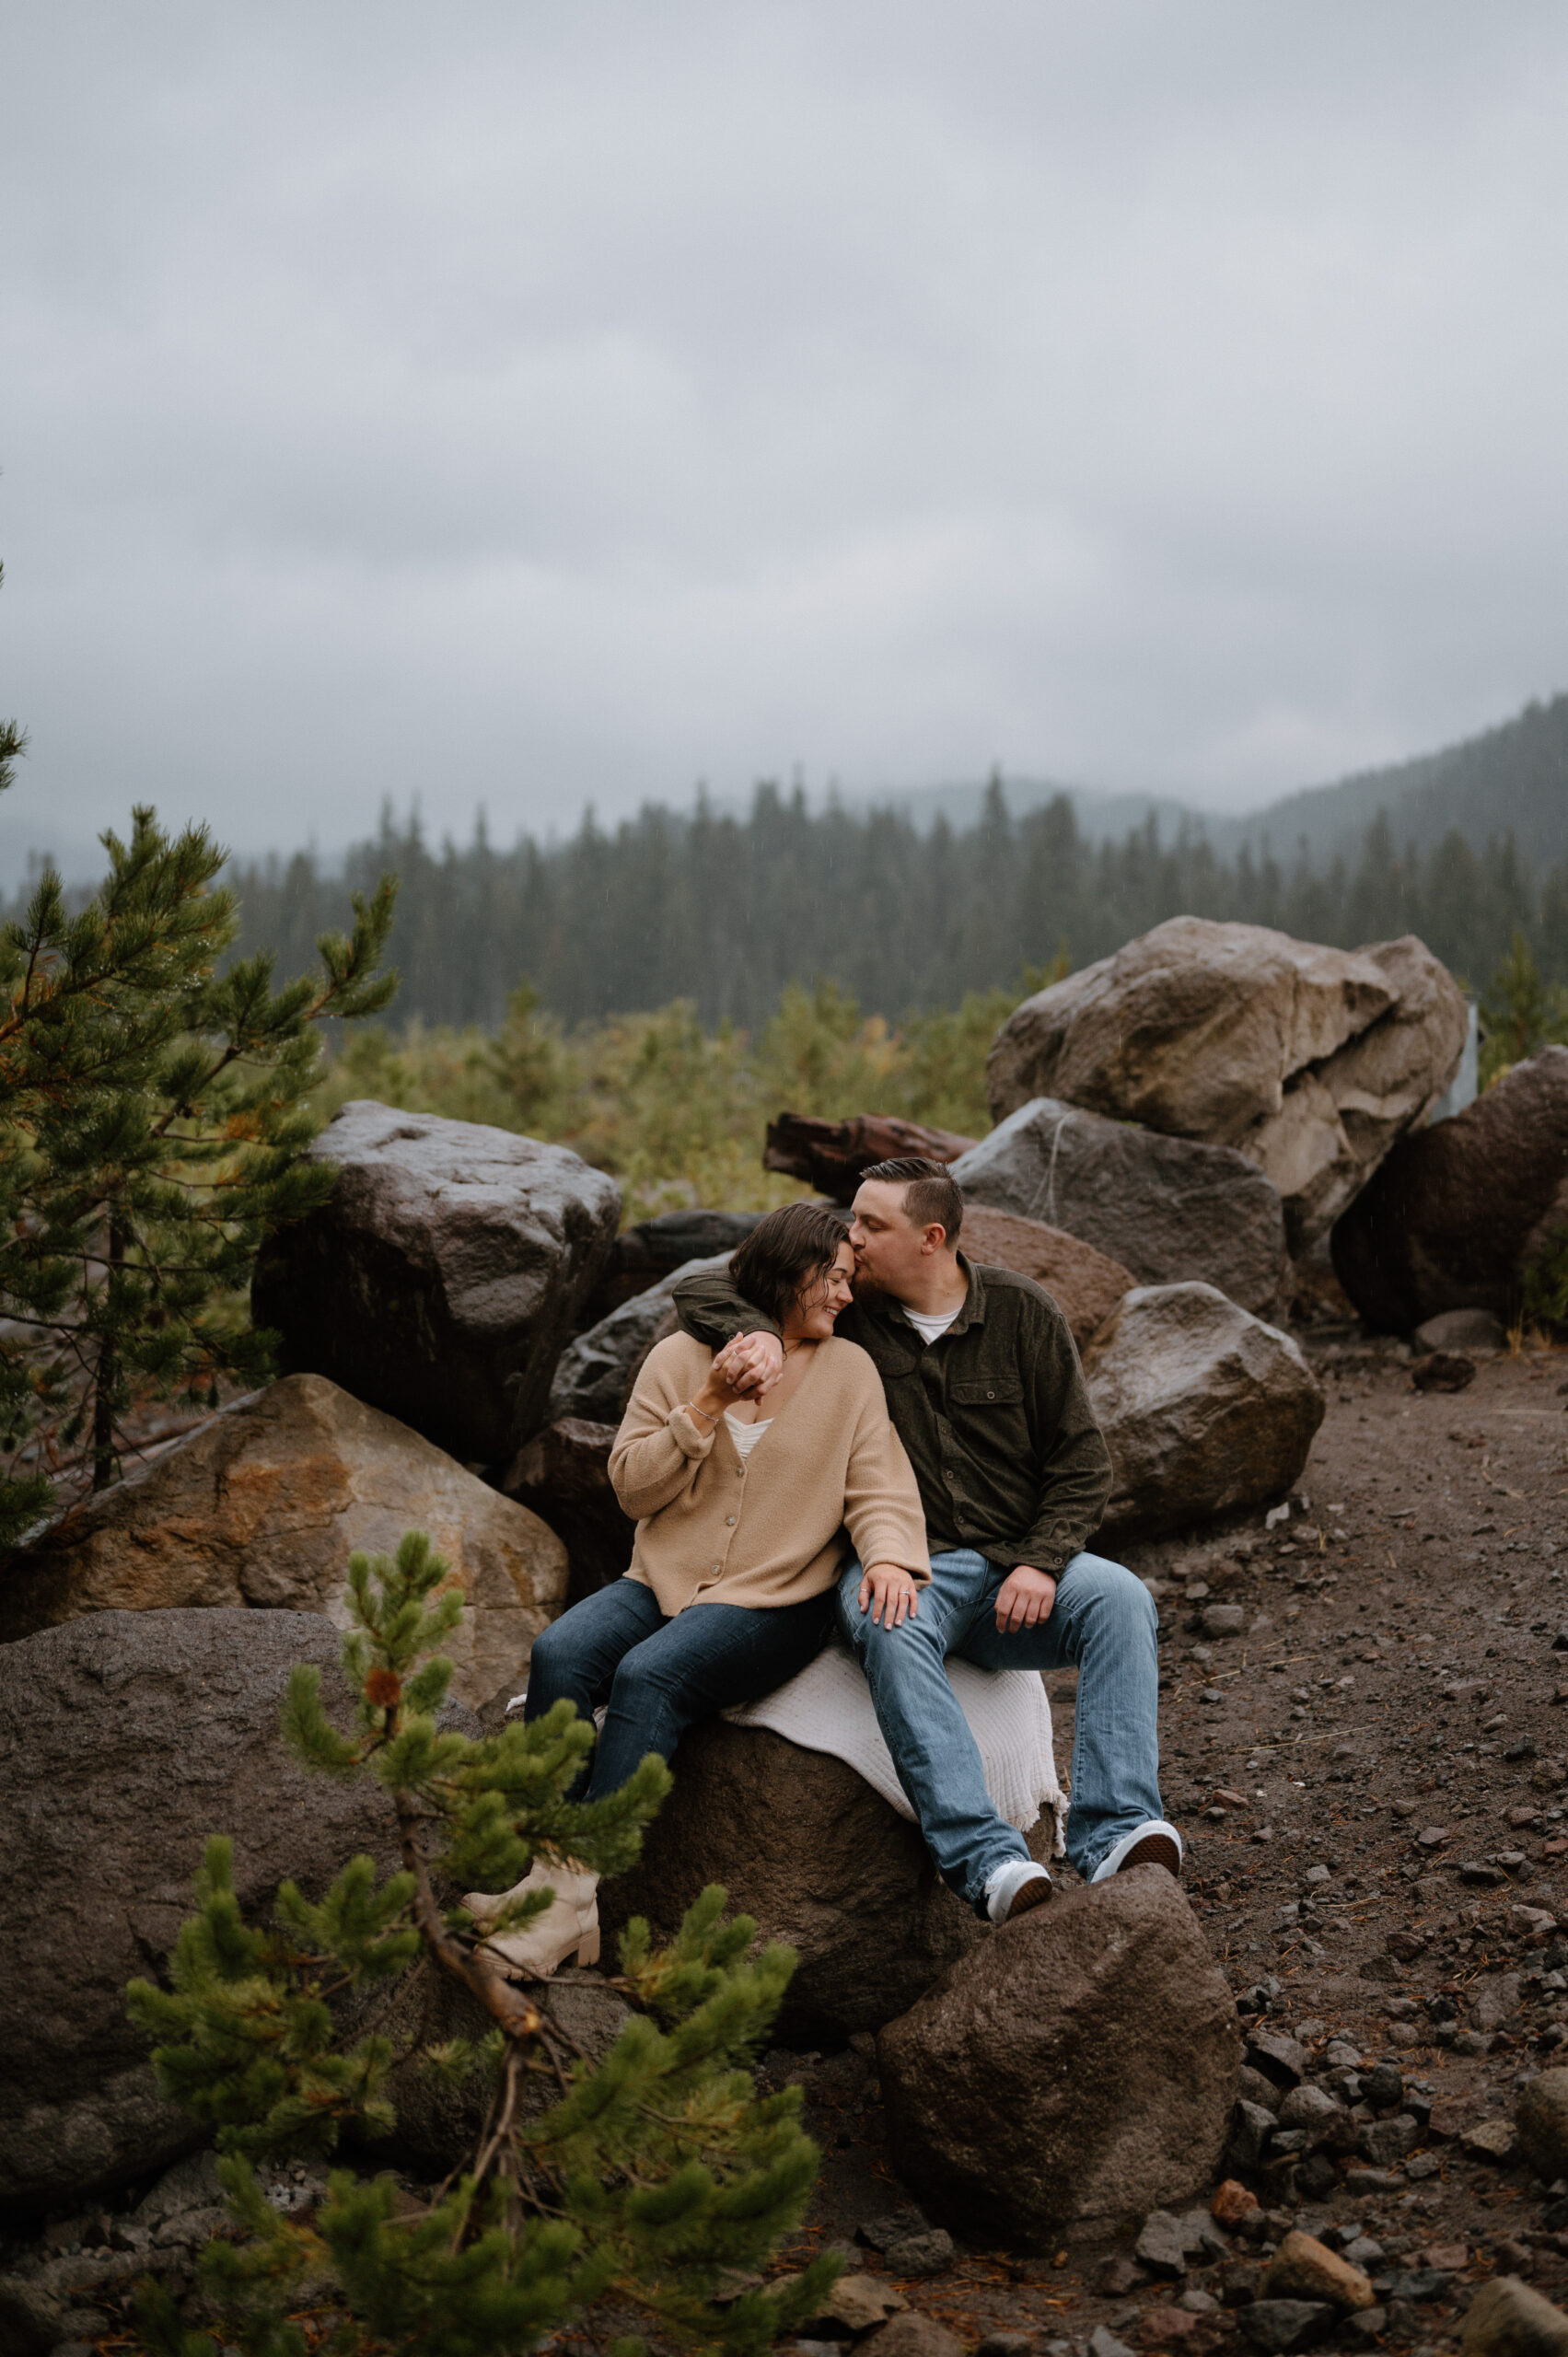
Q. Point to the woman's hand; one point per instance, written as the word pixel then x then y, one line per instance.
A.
pixel 752 1364
pixel 895 1594
pixel 723 1386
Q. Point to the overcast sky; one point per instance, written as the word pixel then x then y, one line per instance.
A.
pixel 526 403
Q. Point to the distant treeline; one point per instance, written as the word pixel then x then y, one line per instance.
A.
pixel 724 911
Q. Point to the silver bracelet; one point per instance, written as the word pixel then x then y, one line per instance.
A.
pixel 693 1409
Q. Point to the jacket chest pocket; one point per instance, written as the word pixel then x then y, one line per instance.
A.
pixel 977 1392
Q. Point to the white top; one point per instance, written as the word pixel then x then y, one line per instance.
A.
pixel 746 1436
pixel 931 1327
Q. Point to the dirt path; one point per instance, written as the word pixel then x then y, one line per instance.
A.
pixel 1379 1751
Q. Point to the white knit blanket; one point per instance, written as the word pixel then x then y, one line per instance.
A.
pixel 829 1708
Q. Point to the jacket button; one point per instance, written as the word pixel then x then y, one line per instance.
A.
pixel 714 1572
pixel 730 1522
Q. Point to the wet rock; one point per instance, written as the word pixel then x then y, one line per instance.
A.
pixel 1084 1284
pixel 1277 2055
pixel 930 2250
pixel 1386 2142
pixel 1315 2110
pixel 1112 1987
pixel 1461 1330
pixel 129 1737
pixel 831 1156
pixel 1204 1409
pixel 912 2335
pixel 1507 2319
pixel 1311 1061
pixel 1231 2203
pixel 442 1279
pixel 562 1476
pixel 1496 2001
pixel 1274 2326
pixel 263 1506
pixel 594 1379
pixel 1165 1208
pixel 1161 2245
pixel 859 2303
pixel 1541 2120
pixel 1460 1211
pixel 804 1844
pixel 1305 2269
pixel 653 1248
pixel 1443 1371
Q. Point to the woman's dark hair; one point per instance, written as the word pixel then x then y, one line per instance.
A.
pixel 784 1252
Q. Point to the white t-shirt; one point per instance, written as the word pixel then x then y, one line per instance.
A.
pixel 745 1436
pixel 931 1327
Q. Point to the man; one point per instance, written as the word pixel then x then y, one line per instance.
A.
pixel 986 1391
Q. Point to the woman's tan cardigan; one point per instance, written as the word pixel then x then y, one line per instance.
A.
pixel 771 1531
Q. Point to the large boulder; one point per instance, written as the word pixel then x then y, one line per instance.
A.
pixel 1311 1061
pixel 1204 1409
pixel 831 1156
pixel 1165 1208
pixel 126 1740
pixel 1084 1284
pixel 1076 2069
pixel 594 1379
pixel 563 1476
pixel 805 1845
pixel 444 1276
pixel 264 1504
pixel 1461 1213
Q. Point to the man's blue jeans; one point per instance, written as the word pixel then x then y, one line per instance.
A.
pixel 1102 1623
pixel 661 1676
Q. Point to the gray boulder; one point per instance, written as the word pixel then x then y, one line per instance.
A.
pixel 594 1379
pixel 1506 2318
pixel 1311 1061
pixel 1461 1213
pixel 804 1844
pixel 443 1278
pixel 1168 1209
pixel 1076 2069
pixel 126 1740
pixel 1205 1409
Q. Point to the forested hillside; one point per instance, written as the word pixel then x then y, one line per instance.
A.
pixel 723 912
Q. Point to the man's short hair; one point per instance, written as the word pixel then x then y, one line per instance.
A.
pixel 930 1193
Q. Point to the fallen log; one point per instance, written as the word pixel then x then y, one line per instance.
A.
pixel 831 1156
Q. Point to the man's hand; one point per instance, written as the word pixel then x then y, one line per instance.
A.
pixel 750 1365
pixel 891 1592
pixel 1025 1599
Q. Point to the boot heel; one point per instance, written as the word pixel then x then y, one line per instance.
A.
pixel 587 1946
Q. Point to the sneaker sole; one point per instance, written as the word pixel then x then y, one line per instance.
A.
pixel 1154 1849
pixel 1033 1893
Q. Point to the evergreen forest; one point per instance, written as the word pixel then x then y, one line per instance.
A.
pixel 723 912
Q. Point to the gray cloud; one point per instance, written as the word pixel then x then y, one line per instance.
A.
pixel 521 405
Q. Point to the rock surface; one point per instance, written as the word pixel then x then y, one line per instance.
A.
pixel 802 1844
pixel 1311 1061
pixel 126 1740
pixel 1077 2068
pixel 1084 1284
pixel 1541 2120
pixel 1461 1330
pixel 831 1156
pixel 263 1506
pixel 1507 2319
pixel 445 1275
pixel 654 1246
pixel 1204 1409
pixel 1165 1208
pixel 1461 1212
pixel 594 1379
pixel 1305 2269
pixel 562 1476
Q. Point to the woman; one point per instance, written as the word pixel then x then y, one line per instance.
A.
pixel 740 1534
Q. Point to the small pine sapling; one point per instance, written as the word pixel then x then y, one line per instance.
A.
pixel 625 2190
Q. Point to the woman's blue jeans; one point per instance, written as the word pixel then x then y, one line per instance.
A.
pixel 1102 1623
pixel 659 1676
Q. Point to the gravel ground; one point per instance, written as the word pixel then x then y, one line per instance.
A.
pixel 1376 1749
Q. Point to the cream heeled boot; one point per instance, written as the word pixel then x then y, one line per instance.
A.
pixel 538 1947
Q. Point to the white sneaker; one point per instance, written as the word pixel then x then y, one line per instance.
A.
pixel 1154 1843
pixel 1016 1887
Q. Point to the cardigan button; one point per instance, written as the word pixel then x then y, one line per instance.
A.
pixel 730 1522
pixel 714 1572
